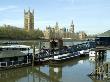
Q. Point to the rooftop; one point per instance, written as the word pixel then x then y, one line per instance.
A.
pixel 11 53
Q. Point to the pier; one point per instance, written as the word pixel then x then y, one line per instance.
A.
pixel 99 70
pixel 102 64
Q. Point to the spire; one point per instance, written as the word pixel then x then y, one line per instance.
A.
pixel 33 11
pixel 56 25
pixel 72 22
pixel 29 11
pixel 72 25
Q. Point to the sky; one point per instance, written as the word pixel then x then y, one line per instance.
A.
pixel 91 16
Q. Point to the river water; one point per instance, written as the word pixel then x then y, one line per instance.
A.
pixel 75 70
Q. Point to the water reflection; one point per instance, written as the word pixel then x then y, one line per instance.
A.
pixel 100 66
pixel 55 73
pixel 14 75
pixel 75 70
pixel 72 71
pixel 38 74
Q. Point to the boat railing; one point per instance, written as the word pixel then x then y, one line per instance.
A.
pixel 12 63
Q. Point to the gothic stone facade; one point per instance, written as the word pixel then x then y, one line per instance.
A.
pixel 29 20
pixel 56 32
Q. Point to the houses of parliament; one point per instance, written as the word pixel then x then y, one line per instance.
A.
pixel 65 33
pixel 52 31
pixel 29 20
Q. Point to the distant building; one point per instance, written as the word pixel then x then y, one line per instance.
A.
pixel 71 30
pixel 53 32
pixel 82 35
pixel 29 20
pixel 57 32
pixel 47 32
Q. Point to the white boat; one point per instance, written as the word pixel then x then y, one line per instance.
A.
pixel 84 52
pixel 23 48
pixel 15 47
pixel 12 56
pixel 92 55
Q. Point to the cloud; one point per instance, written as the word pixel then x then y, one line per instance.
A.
pixel 8 8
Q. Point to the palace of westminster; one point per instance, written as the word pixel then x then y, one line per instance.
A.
pixel 53 31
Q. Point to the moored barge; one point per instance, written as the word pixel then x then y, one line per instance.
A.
pixel 14 56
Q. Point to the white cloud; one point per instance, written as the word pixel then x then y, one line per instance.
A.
pixel 7 7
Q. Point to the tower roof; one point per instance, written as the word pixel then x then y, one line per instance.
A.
pixel 56 24
pixel 72 22
pixel 72 25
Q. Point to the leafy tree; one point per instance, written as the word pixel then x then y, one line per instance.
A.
pixel 14 33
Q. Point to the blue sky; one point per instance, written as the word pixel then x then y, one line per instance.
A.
pixel 91 16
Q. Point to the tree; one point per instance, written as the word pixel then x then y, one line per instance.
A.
pixel 15 33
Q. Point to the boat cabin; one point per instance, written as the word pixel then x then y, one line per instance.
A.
pixel 15 47
pixel 10 58
pixel 14 56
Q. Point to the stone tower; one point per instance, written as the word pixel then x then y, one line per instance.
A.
pixel 71 30
pixel 72 27
pixel 29 20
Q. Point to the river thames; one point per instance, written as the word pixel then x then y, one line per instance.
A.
pixel 72 71
pixel 76 70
